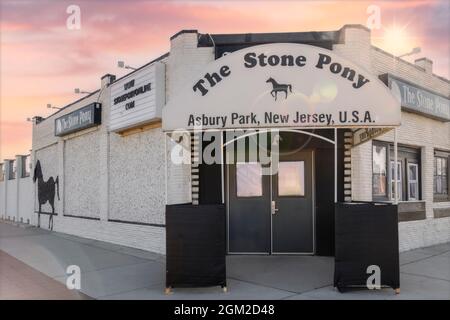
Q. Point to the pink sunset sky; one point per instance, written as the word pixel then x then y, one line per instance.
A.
pixel 42 61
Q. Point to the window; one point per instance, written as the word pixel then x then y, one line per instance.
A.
pixel 12 170
pixel 413 181
pixel 291 178
pixel 441 173
pixel 408 172
pixel 379 171
pixel 26 166
pixel 248 179
pixel 2 172
pixel 399 180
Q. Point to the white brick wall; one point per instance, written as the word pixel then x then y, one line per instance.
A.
pixel 423 233
pixel 90 164
pixel 184 62
pixel 178 174
pixel 356 46
pixel 137 236
pixel 11 198
pixel 418 131
pixel 136 177
pixel 84 160
pixel 361 170
pixel 82 175
pixel 426 134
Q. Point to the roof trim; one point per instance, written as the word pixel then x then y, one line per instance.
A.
pixel 69 105
pixel 165 55
pixel 108 75
pixel 183 31
pixel 411 64
pixel 265 38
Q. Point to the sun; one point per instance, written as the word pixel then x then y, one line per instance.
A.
pixel 396 39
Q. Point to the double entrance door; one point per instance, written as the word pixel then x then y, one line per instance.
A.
pixel 271 213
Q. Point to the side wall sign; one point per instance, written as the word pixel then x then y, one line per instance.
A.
pixel 80 119
pixel 138 98
pixel 282 85
pixel 366 134
pixel 419 100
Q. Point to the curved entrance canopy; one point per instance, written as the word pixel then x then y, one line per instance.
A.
pixel 282 85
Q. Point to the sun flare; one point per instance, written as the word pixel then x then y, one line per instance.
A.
pixel 396 40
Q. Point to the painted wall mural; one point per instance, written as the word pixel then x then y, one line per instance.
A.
pixel 46 191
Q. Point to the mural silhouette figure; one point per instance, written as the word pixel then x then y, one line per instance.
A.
pixel 46 192
pixel 278 87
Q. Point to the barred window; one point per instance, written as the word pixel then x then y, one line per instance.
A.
pixel 441 176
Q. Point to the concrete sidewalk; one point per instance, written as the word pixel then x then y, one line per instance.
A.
pixel 111 271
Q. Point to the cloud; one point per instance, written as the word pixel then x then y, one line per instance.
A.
pixel 42 61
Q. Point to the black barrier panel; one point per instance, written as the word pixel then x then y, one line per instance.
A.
pixel 366 234
pixel 195 245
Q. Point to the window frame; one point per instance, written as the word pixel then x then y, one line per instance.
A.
pixel 400 181
pixel 236 177
pixel 441 197
pixel 416 181
pixel 26 173
pixel 303 194
pixel 406 155
pixel 386 196
pixel 12 170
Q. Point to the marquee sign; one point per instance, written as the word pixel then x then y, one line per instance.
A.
pixel 80 119
pixel 282 85
pixel 138 98
pixel 419 100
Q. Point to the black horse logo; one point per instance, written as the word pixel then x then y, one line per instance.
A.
pixel 46 192
pixel 277 87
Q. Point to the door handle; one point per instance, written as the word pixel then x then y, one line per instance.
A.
pixel 273 207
